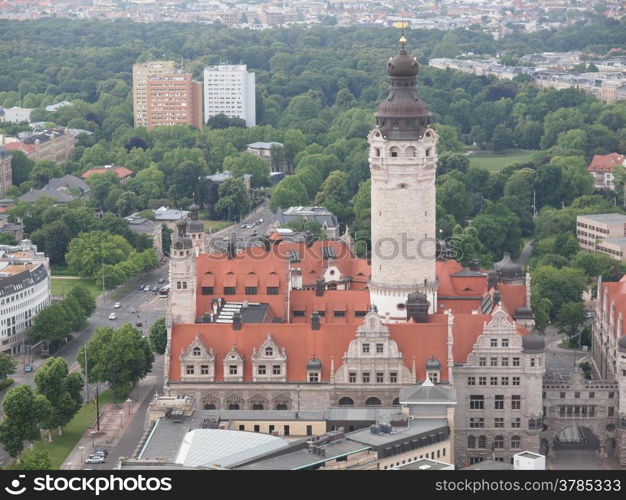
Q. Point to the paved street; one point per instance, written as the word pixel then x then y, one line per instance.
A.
pixel 560 363
pixel 218 240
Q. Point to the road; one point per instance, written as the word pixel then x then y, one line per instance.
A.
pixel 245 236
pixel 560 363
pixel 148 305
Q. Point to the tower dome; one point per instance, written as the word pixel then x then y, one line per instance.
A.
pixel 181 240
pixel 432 364
pixel 195 225
pixel 314 364
pixel 533 343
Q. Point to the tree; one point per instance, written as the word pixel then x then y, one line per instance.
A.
pixel 502 137
pixel 453 197
pixel 21 165
pixel 75 313
pixel 22 418
pixel 89 251
pixel 289 192
pixel 62 390
pixel 35 460
pixel 158 336
pixel 301 225
pixel 334 189
pixel 246 163
pixel 571 317
pixel 449 139
pixel 446 162
pixel 120 357
pixel 233 199
pixel 7 365
pixel 221 121
pixel 558 121
pixel 498 230
pixel 559 286
pixel 52 323
pixel 467 246
pixel 82 294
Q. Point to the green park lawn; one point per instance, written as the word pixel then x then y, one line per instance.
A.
pixel 494 162
pixel 62 285
pixel 61 447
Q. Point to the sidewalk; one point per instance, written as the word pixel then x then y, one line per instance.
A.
pixel 114 420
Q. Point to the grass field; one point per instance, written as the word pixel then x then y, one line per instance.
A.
pixel 494 162
pixel 61 447
pixel 62 286
pixel 215 225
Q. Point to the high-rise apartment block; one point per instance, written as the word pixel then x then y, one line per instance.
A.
pixel 230 90
pixel 173 99
pixel 141 73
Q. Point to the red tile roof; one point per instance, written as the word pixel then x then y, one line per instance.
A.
pixel 605 163
pixel 20 146
pixel 513 296
pixel 121 172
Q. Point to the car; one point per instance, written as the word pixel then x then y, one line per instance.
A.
pixel 117 305
pixel 254 233
pixel 243 226
pixel 101 451
pixel 96 459
pixel 113 316
pixel 146 288
pixel 139 324
pixel 140 287
pixel 28 368
pixel 589 315
pixel 261 221
pixel 162 280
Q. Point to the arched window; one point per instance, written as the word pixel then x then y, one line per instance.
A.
pixel 197 351
pixel 396 402
pixel 429 151
pixel 372 402
pixel 281 406
pixel 411 151
pixel 257 406
pixel 346 402
pixel 498 443
pixel 269 351
pixel 209 406
pixel 471 441
pixel 233 406
pixel 377 150
pixel 394 152
pixel 515 442
pixel 482 441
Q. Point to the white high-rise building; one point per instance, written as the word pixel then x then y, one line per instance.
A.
pixel 403 161
pixel 230 90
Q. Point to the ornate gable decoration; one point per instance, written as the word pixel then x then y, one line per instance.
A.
pixel 197 350
pixel 233 355
pixel 372 327
pixel 499 324
pixel 269 350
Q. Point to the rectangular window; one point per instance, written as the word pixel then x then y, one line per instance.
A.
pixel 516 402
pixel 207 290
pixel 366 348
pixel 242 427
pixel 482 380
pixel 257 428
pixel 379 348
pixel 286 430
pixel 505 342
pixel 482 362
pixel 493 362
pixel 204 369
pixel 352 377
pixel 314 377
pixel 229 290
pixel 611 395
pixel 261 370
pixel 592 395
pixel 505 362
pixel 494 381
pixel 250 290
pixel 276 370
pixel 393 377
pixel 504 381
pixel 309 430
pixel 577 395
pixel 477 403
pixel 515 361
pixel 360 314
pixel 272 290
pixel 562 395
pixel 271 429
pixel 499 402
pixel 190 370
pixel 499 423
pixel 516 423
pixel 298 314
pixel 366 377
pixel 380 377
pixel 471 380
pixel 178 286
pixel 515 380
pixel 184 285
pixel 611 411
pixel 494 343
pixel 477 422
pixel 340 314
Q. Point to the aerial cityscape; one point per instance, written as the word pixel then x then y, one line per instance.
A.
pixel 338 235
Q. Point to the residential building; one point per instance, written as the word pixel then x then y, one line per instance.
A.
pixel 169 216
pixel 123 174
pixel 50 144
pixel 277 161
pixel 6 174
pixel 24 292
pixel 141 73
pixel 230 90
pixel 604 233
pixel 153 230
pixel 601 167
pixel 62 190
pixel 325 218
pixel 173 99
pixel 15 230
pixel 17 114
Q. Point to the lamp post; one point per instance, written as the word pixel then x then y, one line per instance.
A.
pixel 69 465
pixel 121 414
pixel 93 434
pixel 129 402
pixel 81 448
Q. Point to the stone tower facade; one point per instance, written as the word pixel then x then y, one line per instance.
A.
pixel 182 298
pixel 402 158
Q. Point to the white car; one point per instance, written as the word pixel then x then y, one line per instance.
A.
pixel 112 316
pixel 95 459
pixel 117 305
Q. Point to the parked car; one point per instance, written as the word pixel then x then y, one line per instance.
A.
pixel 162 280
pixel 28 368
pixel 140 287
pixel 112 316
pixel 117 305
pixel 95 459
pixel 102 451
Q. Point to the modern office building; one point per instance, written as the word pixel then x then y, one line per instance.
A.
pixel 229 89
pixel 173 99
pixel 141 73
pixel 604 233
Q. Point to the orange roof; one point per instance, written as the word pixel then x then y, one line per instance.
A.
pixel 121 172
pixel 20 146
pixel 617 297
pixel 513 296
pixel 605 163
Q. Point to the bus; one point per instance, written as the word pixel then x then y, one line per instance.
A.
pixel 164 291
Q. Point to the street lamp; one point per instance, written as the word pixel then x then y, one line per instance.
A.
pixel 93 433
pixel 69 465
pixel 81 448
pixel 121 414
pixel 129 402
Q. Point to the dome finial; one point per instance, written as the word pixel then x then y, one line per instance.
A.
pixel 402 39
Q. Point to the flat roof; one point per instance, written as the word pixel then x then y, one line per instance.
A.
pixel 605 218
pixel 415 427
pixel 424 464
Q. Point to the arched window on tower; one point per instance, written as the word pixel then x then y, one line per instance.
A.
pixel 394 151
pixel 411 151
pixel 429 151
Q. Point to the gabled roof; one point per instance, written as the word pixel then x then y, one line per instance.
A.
pixel 121 172
pixel 428 393
pixel 605 163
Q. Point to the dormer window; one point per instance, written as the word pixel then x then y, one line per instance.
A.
pixel 196 351
pixel 269 351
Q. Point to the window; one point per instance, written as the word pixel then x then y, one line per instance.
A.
pixel 276 369
pixel 314 377
pixel 393 377
pixel 471 380
pixel 516 442
pixel 592 395
pixel 611 411
pixel 482 442
pixel 269 351
pixel 379 348
pixel 250 290
pixel 340 314
pixel 286 430
pixel 494 381
pixel 271 429
pixel 380 377
pixel 499 423
pixel 482 362
pixel 482 380
pixel 434 377
pixel 298 314
pixel 494 343
pixel 309 430
pixel 516 402
pixel 272 290
pixel 184 285
pixel 577 395
pixel 232 370
pixel 532 361
pixel 562 395
pixel 505 342
pixel 207 290
pixel 611 395
pixel 257 428
pixel 360 314
pixel 477 403
pixel 477 422
pixel 229 290
pixel 366 377
pixel 366 348
pixel 261 370
pixel 498 443
pixel 516 423
pixel 190 370
pixel 493 362
pixel 471 441
pixel 515 380
pixel 204 369
pixel 352 377
pixel 196 351
pixel 515 361
pixel 505 362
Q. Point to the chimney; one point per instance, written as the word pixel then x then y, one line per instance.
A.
pixel 315 321
pixel 237 321
pixel 474 265
pixel 320 285
pixel 492 279
pixel 308 238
